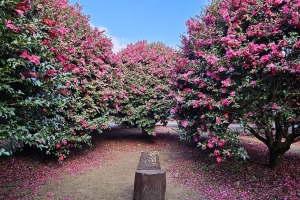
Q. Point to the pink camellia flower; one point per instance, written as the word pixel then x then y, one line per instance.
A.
pixel 117 106
pixel 211 59
pixel 219 159
pixel 223 90
pixel 64 142
pixel 10 25
pixel 184 123
pixel 210 144
pixel 58 145
pixel 19 11
pixel 34 59
pixel 221 69
pixel 274 107
pixel 53 49
pixel 265 59
pixel 75 80
pixel 227 82
pixel 225 102
pixel 33 74
pixel 46 42
pixel 40 141
pixel 218 121
pixel 53 33
pixel 84 81
pixel 221 142
pixel 172 111
pixel 49 22
pixel 25 55
pixel 60 58
pixel 216 152
pixel 253 83
pixel 49 195
pixel 226 115
pixel 292 120
pixel 61 158
pixel 214 139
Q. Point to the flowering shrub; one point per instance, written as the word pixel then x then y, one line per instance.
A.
pixel 144 74
pixel 52 75
pixel 26 93
pixel 243 64
pixel 85 55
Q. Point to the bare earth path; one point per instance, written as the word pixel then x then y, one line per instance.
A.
pixel 106 171
pixel 114 179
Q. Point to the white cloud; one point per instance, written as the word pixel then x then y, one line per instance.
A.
pixel 118 43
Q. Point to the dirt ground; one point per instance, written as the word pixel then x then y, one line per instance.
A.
pixel 106 170
pixel 114 179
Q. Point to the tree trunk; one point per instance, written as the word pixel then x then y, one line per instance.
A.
pixel 275 158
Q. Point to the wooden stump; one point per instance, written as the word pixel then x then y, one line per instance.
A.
pixel 150 180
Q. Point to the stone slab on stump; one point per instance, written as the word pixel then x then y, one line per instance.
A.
pixel 150 180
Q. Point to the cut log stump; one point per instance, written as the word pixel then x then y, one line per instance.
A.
pixel 150 180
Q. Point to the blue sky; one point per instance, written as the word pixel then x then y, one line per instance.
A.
pixel 129 21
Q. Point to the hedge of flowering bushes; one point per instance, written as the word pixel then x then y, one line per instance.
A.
pixel 242 63
pixel 144 74
pixel 60 80
pixel 53 74
pixel 26 89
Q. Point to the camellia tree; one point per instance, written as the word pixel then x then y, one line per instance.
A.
pixel 26 85
pixel 85 54
pixel 243 63
pixel 53 77
pixel 144 72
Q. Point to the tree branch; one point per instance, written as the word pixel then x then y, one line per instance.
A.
pixel 256 134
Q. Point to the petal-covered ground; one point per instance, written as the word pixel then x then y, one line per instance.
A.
pixel 106 171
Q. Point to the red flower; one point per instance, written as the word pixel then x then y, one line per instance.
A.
pixel 64 141
pixel 226 115
pixel 49 22
pixel 61 158
pixel 184 123
pixel 216 152
pixel 292 120
pixel 53 33
pixel 34 59
pixel 218 121
pixel 274 107
pixel 32 74
pixel 25 55
pixel 215 139
pixel 219 159
pixel 20 12
pixel 58 145
pixel 46 42
pixel 221 142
